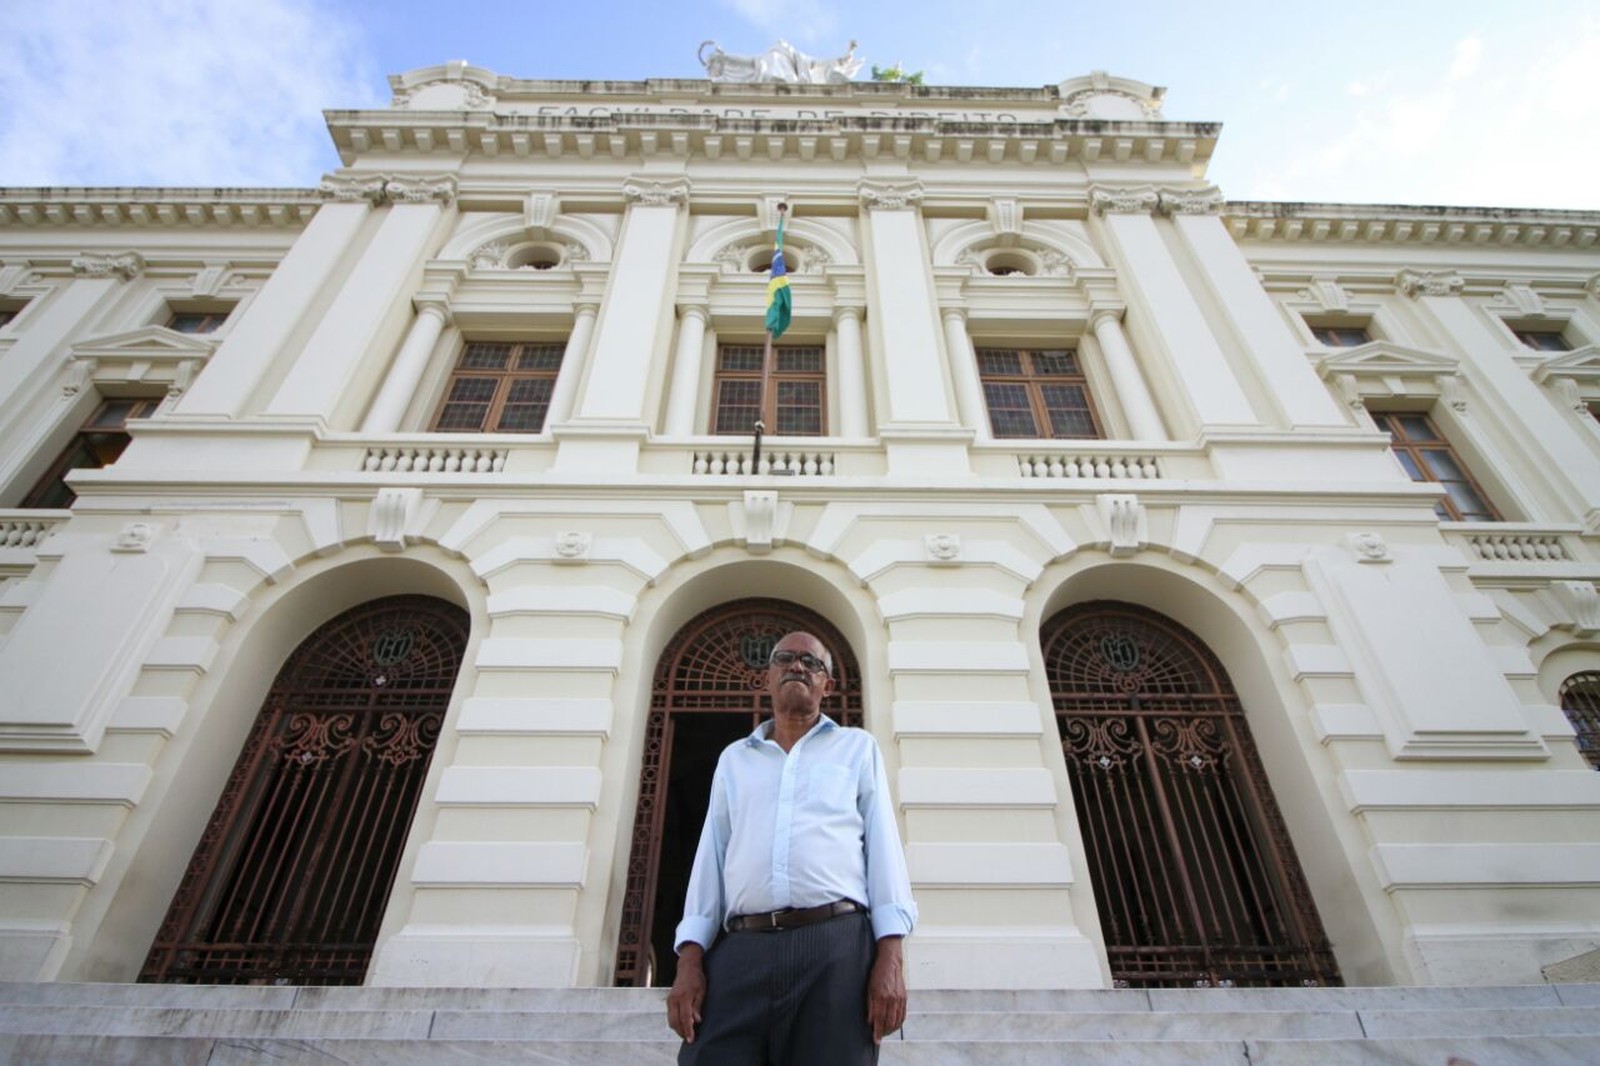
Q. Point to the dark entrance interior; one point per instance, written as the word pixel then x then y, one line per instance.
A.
pixel 708 692
pixel 1196 881
pixel 291 876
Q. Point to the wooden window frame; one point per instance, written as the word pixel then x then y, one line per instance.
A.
pixel 724 379
pixel 1580 702
pixel 1034 382
pixel 505 380
pixel 1526 337
pixel 205 321
pixel 96 445
pixel 1418 450
pixel 1329 336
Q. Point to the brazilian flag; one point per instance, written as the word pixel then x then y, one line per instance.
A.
pixel 780 304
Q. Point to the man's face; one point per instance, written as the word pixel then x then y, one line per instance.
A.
pixel 797 689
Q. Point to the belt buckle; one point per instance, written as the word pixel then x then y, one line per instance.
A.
pixel 772 920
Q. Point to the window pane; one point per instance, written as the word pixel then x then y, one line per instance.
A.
pixel 1068 407
pixel 1055 362
pixel 1580 699
pixel 467 405
pixel 1543 340
pixel 526 405
pixel 114 414
pixel 480 356
pixel 540 357
pixel 1009 412
pixel 999 361
pixel 799 360
pixel 1469 504
pixel 1409 461
pixel 1415 427
pixel 800 408
pixel 740 357
pixel 1341 336
pixel 196 322
pixel 738 406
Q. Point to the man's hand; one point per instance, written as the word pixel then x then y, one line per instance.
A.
pixel 886 990
pixel 689 992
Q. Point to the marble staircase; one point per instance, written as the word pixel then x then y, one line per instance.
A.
pixel 152 1025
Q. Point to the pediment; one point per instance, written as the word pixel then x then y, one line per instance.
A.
pixel 146 343
pixel 1581 364
pixel 1386 357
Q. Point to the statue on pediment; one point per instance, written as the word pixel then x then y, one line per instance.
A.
pixel 783 62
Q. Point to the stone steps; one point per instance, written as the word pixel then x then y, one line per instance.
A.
pixel 158 1024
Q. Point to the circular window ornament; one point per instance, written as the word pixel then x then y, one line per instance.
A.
pixel 534 257
pixel 1010 264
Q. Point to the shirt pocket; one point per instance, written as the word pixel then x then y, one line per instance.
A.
pixel 833 787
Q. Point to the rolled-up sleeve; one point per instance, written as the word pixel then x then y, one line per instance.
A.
pixel 894 912
pixel 705 904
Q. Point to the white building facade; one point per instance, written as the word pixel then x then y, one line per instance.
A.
pixel 384 563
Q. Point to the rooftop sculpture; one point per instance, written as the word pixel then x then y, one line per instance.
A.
pixel 783 62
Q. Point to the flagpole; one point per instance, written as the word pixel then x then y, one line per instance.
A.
pixel 766 369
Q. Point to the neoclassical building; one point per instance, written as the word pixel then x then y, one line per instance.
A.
pixel 384 563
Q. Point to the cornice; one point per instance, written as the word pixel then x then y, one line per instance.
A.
pixel 1394 224
pixel 620 135
pixel 177 207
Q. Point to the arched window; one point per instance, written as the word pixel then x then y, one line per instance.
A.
pixel 290 879
pixel 1580 698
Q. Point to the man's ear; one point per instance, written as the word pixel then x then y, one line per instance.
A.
pixel 827 687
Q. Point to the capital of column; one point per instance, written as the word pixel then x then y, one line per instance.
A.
pixel 1414 283
pixel 1139 200
pixel 407 190
pixel 889 195
pixel 435 307
pixel 126 266
pixel 651 193
pixel 695 310
pixel 953 314
pixel 1101 312
pixel 845 311
pixel 353 190
pixel 588 308
pixel 1206 201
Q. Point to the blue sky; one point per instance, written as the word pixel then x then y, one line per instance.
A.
pixel 1420 101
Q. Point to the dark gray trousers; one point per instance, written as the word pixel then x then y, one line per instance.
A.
pixel 797 997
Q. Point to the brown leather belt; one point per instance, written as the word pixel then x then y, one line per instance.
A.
pixel 773 921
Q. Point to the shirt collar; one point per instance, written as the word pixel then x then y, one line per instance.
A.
pixel 763 732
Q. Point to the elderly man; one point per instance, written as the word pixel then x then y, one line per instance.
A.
pixel 801 873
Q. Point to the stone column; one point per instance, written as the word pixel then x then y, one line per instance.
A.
pixel 573 359
pixel 400 384
pixel 631 316
pixel 852 373
pixel 904 307
pixel 318 384
pixel 1144 421
pixel 1160 295
pixel 686 370
pixel 964 372
pixel 1266 338
pixel 231 374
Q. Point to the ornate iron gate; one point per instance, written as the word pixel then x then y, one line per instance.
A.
pixel 708 691
pixel 1195 876
pixel 290 879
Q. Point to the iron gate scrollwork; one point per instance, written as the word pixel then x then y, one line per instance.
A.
pixel 714 668
pixel 1195 877
pixel 292 874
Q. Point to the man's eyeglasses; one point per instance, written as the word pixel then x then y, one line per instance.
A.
pixel 807 660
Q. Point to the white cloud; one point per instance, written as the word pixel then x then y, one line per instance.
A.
pixel 1469 54
pixel 175 92
pixel 809 22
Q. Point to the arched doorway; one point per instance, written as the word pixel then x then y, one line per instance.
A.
pixel 1195 877
pixel 708 692
pixel 289 881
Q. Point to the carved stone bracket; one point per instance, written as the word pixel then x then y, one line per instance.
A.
pixel 1140 200
pixel 1415 283
pixel 407 190
pixel 392 513
pixel 573 547
pixel 1126 522
pixel 889 195
pixel 1570 394
pixel 1207 201
pixel 760 516
pixel 1523 300
pixel 127 265
pixel 1581 602
pixel 1453 392
pixel 1005 216
pixel 539 211
pixel 648 193
pixel 942 549
pixel 1368 548
pixel 354 190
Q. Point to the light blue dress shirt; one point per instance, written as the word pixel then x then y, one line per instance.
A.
pixel 799 830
